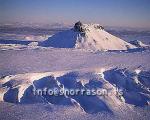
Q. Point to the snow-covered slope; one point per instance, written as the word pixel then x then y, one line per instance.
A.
pixel 87 36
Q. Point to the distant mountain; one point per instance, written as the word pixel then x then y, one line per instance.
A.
pixel 34 25
pixel 87 36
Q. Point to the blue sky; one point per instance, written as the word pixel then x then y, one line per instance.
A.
pixel 128 13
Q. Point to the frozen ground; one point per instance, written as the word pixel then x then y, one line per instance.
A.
pixel 23 67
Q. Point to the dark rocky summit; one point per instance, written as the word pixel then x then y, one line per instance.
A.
pixel 79 27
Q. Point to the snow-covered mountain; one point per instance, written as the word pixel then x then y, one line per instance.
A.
pixel 87 36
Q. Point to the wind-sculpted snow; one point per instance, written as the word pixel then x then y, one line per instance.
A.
pixel 133 85
pixel 124 87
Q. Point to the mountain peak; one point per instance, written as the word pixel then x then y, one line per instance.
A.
pixel 80 27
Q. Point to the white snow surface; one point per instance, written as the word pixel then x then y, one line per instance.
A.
pixel 102 61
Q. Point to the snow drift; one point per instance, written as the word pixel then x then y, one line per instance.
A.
pixel 133 88
pixel 139 44
pixel 87 36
